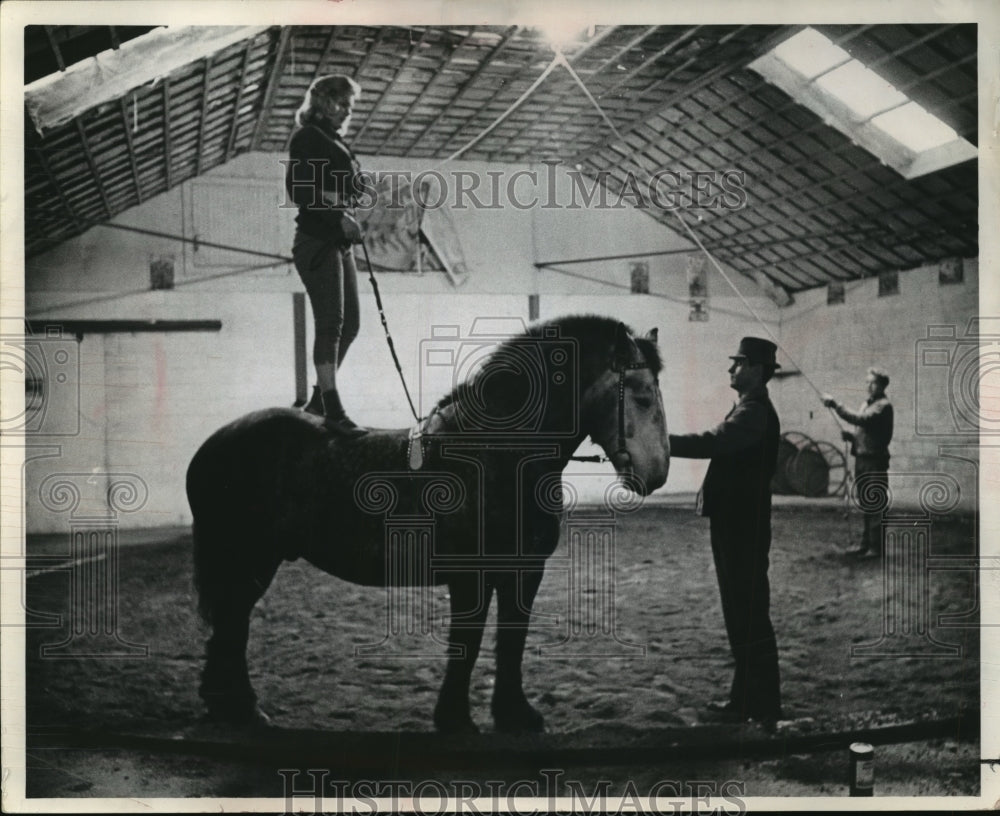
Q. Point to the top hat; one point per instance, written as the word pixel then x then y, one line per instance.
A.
pixel 756 350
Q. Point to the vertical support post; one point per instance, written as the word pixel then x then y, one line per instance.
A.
pixel 533 307
pixel 299 334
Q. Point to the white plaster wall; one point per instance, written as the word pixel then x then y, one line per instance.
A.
pixel 835 345
pixel 150 399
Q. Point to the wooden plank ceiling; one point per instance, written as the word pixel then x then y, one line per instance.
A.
pixel 819 207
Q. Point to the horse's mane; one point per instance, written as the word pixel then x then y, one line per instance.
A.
pixel 594 336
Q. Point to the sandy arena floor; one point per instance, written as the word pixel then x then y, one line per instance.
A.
pixel 668 658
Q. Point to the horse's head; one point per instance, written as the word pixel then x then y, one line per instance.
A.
pixel 624 414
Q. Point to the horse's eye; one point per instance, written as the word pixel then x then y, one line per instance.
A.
pixel 644 402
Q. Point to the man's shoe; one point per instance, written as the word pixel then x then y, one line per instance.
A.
pixel 767 724
pixel 723 711
pixel 860 552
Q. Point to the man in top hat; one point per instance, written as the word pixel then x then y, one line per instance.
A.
pixel 870 449
pixel 736 497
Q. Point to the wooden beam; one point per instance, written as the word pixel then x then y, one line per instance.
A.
pixel 730 101
pixel 327 48
pixel 131 147
pixel 388 87
pixel 56 52
pixel 280 55
pixel 93 166
pixel 593 42
pixel 167 144
pixel 420 96
pixel 497 49
pixel 54 180
pixel 204 115
pixel 573 88
pixel 375 43
pixel 82 327
pixel 231 142
pixel 721 70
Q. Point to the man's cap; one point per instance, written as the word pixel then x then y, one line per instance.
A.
pixel 880 375
pixel 757 350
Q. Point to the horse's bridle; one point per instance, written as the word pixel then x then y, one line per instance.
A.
pixel 621 452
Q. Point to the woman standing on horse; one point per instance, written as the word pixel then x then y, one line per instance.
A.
pixel 321 179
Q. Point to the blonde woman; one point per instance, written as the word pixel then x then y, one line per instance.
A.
pixel 321 178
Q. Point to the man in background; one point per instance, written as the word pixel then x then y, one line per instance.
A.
pixel 870 448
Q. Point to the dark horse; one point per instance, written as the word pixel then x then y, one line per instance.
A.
pixel 274 486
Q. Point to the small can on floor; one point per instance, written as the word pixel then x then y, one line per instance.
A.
pixel 862 769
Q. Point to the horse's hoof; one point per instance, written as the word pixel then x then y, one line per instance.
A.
pixel 259 719
pixel 519 719
pixel 243 716
pixel 460 724
pixel 457 729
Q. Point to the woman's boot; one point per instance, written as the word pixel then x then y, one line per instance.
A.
pixel 315 404
pixel 335 418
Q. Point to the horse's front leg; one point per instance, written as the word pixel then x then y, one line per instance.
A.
pixel 515 596
pixel 470 603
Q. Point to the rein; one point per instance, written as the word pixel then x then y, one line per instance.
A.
pixel 385 328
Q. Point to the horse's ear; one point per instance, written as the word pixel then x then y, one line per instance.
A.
pixel 622 340
pixel 654 335
pixel 623 345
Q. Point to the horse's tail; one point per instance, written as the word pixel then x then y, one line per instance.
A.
pixel 205 578
pixel 209 557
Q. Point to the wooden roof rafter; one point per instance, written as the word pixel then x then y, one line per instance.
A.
pixel 420 97
pixel 88 153
pixel 123 108
pixel 238 103
pixel 501 46
pixel 200 155
pixel 280 59
pixel 573 88
pixel 597 39
pixel 414 46
pixel 722 69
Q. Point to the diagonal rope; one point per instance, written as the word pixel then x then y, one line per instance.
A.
pixel 676 212
pixel 514 106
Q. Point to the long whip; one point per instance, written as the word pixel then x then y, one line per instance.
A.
pixel 385 328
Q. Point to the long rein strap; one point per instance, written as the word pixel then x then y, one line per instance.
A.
pixel 385 328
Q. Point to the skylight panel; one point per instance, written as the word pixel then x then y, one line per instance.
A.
pixel 869 110
pixel 915 128
pixel 810 53
pixel 861 89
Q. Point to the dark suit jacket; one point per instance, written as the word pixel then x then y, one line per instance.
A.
pixel 743 450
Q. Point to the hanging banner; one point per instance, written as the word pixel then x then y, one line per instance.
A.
pixel 697 288
pixel 697 279
pixel 392 228
pixel 439 232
